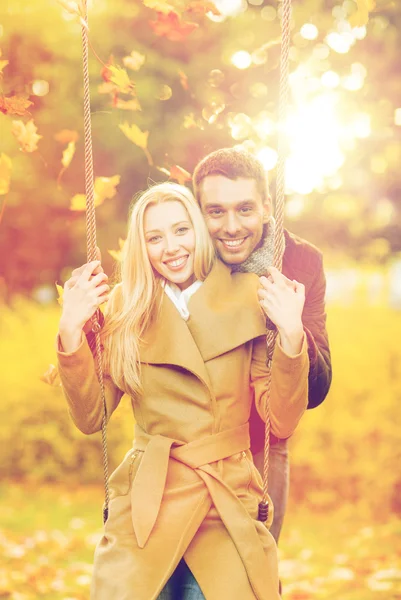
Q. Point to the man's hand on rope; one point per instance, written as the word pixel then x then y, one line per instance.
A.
pixel 282 301
pixel 84 292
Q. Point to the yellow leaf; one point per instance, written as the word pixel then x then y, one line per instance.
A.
pixel 3 63
pixel 134 61
pixel 361 16
pixel 5 173
pixel 78 202
pixel 68 155
pixel 60 291
pixel 128 104
pixel 133 133
pixel 116 254
pixel 121 79
pixel 26 135
pixel 160 6
pixel 189 121
pixel 51 376
pixel 105 188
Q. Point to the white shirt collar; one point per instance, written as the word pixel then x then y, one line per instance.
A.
pixel 180 298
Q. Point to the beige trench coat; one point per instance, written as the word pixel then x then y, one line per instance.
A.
pixel 188 487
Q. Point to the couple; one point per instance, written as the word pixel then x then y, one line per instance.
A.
pixel 184 336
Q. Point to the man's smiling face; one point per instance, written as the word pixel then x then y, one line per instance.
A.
pixel 235 214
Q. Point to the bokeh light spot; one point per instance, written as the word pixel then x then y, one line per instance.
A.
pixel 309 31
pixel 241 59
pixel 40 87
pixel 268 158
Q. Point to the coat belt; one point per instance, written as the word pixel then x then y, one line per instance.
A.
pixel 149 482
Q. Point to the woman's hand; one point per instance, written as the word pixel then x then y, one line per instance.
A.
pixel 282 301
pixel 84 292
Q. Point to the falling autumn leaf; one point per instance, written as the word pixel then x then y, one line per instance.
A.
pixel 361 16
pixel 26 135
pixel 60 294
pixel 120 78
pixel 65 136
pixel 104 189
pixel 201 7
pixel 138 137
pixel 134 61
pixel 5 173
pixel 189 121
pixel 180 174
pixel 68 155
pixel 160 5
pixel 14 105
pixel 50 376
pixel 105 72
pixel 3 63
pixel 128 104
pixel 172 27
pixel 183 80
pixel 117 254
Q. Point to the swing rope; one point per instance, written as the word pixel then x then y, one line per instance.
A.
pixel 91 244
pixel 279 239
pixel 263 513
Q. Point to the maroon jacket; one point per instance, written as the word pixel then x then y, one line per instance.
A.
pixel 304 262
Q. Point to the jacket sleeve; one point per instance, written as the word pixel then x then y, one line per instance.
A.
pixel 314 321
pixel 82 389
pixel 289 386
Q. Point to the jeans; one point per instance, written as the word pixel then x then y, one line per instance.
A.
pixel 279 481
pixel 182 585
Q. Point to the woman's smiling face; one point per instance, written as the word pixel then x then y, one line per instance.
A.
pixel 170 242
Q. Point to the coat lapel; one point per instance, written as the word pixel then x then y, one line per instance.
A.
pixel 224 312
pixel 168 341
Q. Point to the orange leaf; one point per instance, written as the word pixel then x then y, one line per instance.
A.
pixel 105 72
pixel 26 135
pixel 14 105
pixel 180 174
pixel 183 80
pixel 51 376
pixel 172 27
pixel 65 136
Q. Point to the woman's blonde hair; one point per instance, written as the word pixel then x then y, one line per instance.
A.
pixel 136 298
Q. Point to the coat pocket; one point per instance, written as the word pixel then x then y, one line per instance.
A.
pixel 120 480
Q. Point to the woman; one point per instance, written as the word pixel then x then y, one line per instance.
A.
pixel 185 339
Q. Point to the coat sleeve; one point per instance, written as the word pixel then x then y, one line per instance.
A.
pixel 289 386
pixel 314 321
pixel 82 389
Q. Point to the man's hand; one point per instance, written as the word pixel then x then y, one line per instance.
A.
pixel 282 301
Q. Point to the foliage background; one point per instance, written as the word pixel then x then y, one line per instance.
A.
pixel 346 454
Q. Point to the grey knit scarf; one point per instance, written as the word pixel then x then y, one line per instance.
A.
pixel 262 257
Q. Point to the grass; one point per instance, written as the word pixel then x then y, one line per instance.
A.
pixel 49 533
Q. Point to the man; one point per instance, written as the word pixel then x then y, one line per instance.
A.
pixel 231 188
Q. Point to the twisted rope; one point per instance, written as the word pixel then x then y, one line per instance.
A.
pixel 91 241
pixel 279 235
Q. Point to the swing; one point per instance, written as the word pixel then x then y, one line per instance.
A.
pixel 263 514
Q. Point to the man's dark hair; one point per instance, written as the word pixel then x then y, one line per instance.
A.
pixel 231 163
